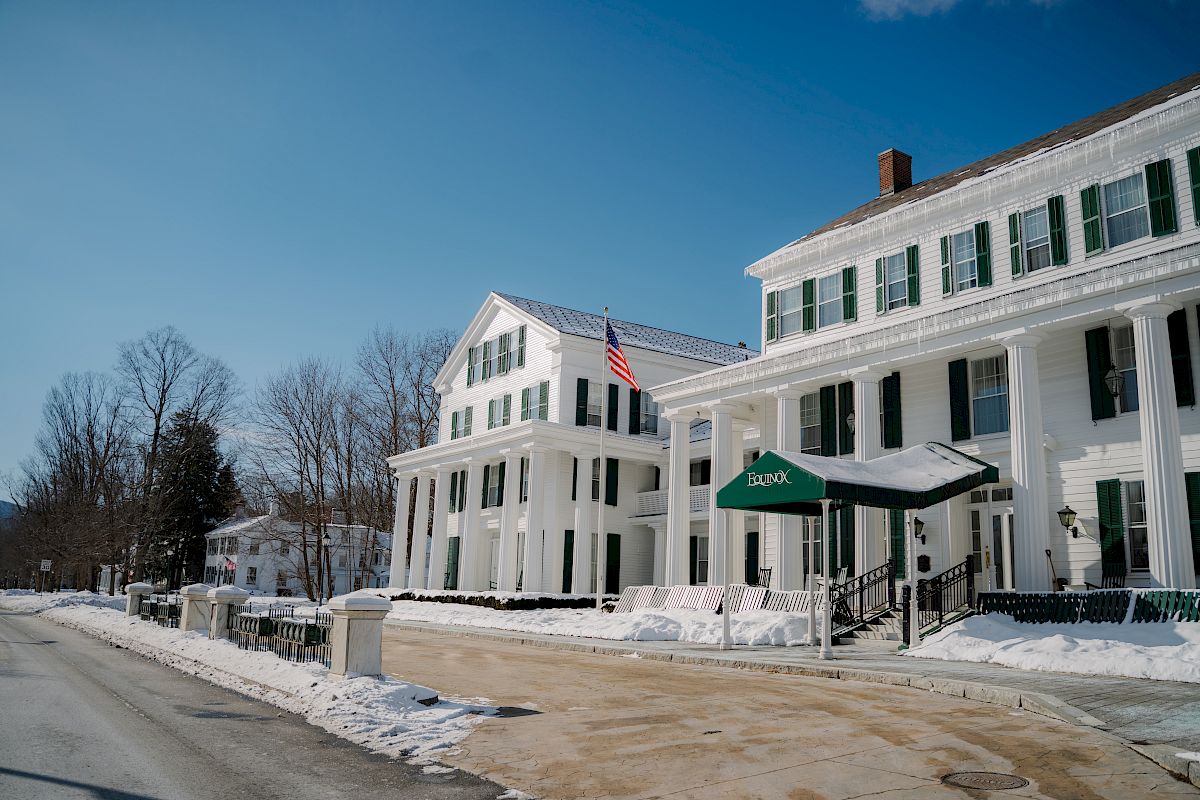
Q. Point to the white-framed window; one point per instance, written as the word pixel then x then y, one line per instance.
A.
pixel 989 395
pixel 791 308
pixel 500 411
pixel 342 560
pixel 210 575
pixel 284 549
pixel 535 402
pixel 212 549
pixel 810 423
pixel 699 472
pixel 896 280
pixel 648 414
pixel 281 578
pixel 1136 532
pixel 495 485
pixel 1035 227
pixel 595 479
pixel 1124 356
pixel 253 551
pixel 701 565
pixel 829 300
pixel 503 353
pixel 1126 213
pixel 962 260
pixel 593 404
pixel 524 480
pixel 252 576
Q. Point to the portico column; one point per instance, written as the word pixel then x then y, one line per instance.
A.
pixel 581 556
pixel 722 461
pixel 660 551
pixel 768 524
pixel 678 501
pixel 1031 510
pixel 470 550
pixel 416 559
pixel 507 572
pixel 438 545
pixel 869 549
pixel 789 546
pixel 737 519
pixel 400 531
pixel 1167 525
pixel 534 521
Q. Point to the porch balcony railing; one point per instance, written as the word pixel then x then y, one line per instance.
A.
pixel 651 504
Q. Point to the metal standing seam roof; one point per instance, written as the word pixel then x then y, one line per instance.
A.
pixel 632 334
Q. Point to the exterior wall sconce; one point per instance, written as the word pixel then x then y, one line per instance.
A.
pixel 1066 518
pixel 850 422
pixel 919 529
pixel 1114 381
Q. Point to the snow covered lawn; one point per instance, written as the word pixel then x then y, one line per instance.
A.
pixel 384 715
pixel 1166 651
pixel 677 625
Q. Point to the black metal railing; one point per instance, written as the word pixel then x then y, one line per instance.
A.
pixel 295 639
pixel 940 596
pixel 855 601
pixel 162 609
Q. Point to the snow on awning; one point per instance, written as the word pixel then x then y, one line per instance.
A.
pixel 795 483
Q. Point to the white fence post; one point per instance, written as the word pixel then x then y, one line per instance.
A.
pixel 195 612
pixel 135 593
pixel 220 599
pixel 356 641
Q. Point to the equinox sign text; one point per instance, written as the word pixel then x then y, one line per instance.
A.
pixel 768 478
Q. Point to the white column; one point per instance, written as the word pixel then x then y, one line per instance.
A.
pixel 581 557
pixel 1167 523
pixel 471 555
pixel 416 558
pixel 789 547
pixel 1031 509
pixel 736 519
pixel 768 524
pixel 506 578
pixel 535 514
pixel 870 546
pixel 718 521
pixel 678 501
pixel 552 545
pixel 400 531
pixel 438 544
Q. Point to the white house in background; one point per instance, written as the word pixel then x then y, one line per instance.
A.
pixel 1036 309
pixel 264 555
pixel 515 474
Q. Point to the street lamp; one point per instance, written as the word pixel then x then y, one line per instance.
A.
pixel 918 528
pixel 325 544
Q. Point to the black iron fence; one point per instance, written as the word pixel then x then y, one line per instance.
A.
pixel 941 596
pixel 163 609
pixel 859 599
pixel 277 629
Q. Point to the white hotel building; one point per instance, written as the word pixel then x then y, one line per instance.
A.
pixel 1036 309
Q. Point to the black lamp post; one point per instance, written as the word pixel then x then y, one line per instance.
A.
pixel 321 559
pixel 918 529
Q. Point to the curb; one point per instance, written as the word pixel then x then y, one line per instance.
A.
pixel 1039 703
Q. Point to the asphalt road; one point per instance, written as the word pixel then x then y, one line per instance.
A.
pixel 82 719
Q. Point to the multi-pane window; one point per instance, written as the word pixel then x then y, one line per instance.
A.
pixel 1124 360
pixel 284 549
pixel 701 559
pixel 1138 540
pixel 281 578
pixel 251 576
pixel 595 479
pixel 495 486
pixel 648 414
pixel 500 411
pixel 699 472
pixel 829 300
pixel 989 395
pixel 977 539
pixel 791 307
pixel 1126 215
pixel 962 255
pixel 212 547
pixel 1036 227
pixel 593 404
pixel 524 480
pixel 896 278
pixel 253 551
pixel 810 424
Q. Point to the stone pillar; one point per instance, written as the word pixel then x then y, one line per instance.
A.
pixel 220 600
pixel 535 515
pixel 195 613
pixel 679 513
pixel 581 557
pixel 870 544
pixel 1167 522
pixel 471 551
pixel 789 546
pixel 135 593
pixel 400 531
pixel 438 547
pixel 736 557
pixel 1031 509
pixel 356 641
pixel 506 574
pixel 416 558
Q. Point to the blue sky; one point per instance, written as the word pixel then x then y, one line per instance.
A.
pixel 277 178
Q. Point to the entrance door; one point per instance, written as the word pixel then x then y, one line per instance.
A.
pixel 451 579
pixel 495 573
pixel 991 544
pixel 612 565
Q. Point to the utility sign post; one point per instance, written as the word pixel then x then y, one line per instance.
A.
pixel 44 572
pixel 45 565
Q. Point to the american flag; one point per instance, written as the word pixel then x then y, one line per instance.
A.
pixel 616 360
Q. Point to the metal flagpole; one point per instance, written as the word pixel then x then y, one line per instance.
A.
pixel 600 549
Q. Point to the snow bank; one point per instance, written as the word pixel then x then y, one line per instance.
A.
pixel 1167 651
pixel 36 602
pixel 647 625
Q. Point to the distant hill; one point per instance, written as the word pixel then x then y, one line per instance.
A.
pixel 7 509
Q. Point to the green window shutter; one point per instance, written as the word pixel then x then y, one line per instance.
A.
pixel 751 558
pixel 500 486
pixel 568 560
pixel 879 286
pixel 896 537
pixel 846 538
pixel 1160 193
pixel 487 470
pixel 574 478
pixel 462 490
pixel 453 491
pixel 491 414
pixel 525 404
pixel 693 552
pixel 581 398
pixel 507 416
pixel 1192 482
pixel 849 292
pixel 809 313
pixel 451 577
pixel 1112 522
pixel 613 394
pixel 983 252
pixel 453 425
pixel 487 361
pixel 467 421
pixel 1181 358
pixel 544 400
pixel 1193 157
pixel 1099 359
pixel 960 401
pixel 635 411
pixel 947 284
pixel 610 481
pixel 1093 227
pixel 612 564
pixel 521 346
pixel 1014 243
pixel 502 354
pixel 829 426
pixel 912 260
pixel 470 366
pixel 892 434
pixel 845 397
pixel 772 305
pixel 1056 213
pixel 705 471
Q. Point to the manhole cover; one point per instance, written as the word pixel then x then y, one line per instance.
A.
pixel 984 780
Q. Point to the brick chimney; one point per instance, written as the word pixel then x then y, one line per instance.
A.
pixel 895 171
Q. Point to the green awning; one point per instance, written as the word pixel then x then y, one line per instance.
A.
pixel 782 482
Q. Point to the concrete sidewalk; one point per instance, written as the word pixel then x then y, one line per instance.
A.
pixel 1158 718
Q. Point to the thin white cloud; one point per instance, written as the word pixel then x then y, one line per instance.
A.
pixel 895 9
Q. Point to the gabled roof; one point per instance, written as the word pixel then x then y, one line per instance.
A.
pixel 1045 142
pixel 631 334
